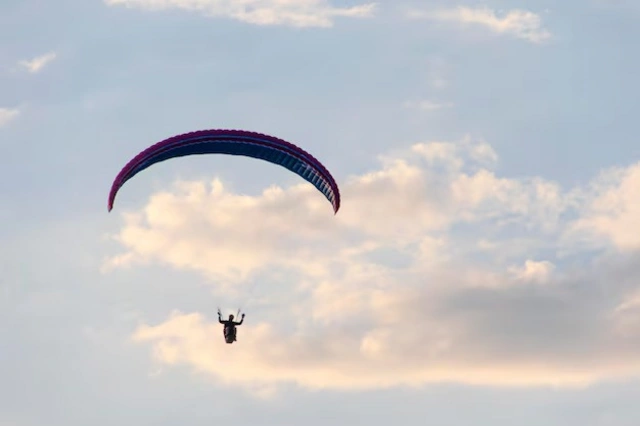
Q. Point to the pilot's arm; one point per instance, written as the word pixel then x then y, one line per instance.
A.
pixel 241 320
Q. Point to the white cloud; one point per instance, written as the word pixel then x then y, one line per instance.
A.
pixel 612 210
pixel 7 115
pixel 38 63
pixel 297 13
pixel 534 271
pixel 436 269
pixel 519 23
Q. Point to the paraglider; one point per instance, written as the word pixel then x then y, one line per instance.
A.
pixel 233 142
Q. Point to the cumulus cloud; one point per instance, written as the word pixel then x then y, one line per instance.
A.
pixel 7 115
pixel 297 13
pixel 519 23
pixel 36 64
pixel 435 269
pixel 612 210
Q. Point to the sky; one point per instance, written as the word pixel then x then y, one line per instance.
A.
pixel 482 270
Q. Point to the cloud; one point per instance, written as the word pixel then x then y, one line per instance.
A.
pixel 611 211
pixel 436 269
pixel 7 115
pixel 297 13
pixel 36 64
pixel 519 23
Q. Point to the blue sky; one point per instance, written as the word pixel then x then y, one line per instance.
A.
pixel 481 271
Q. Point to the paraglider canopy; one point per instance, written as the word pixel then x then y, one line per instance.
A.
pixel 233 142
